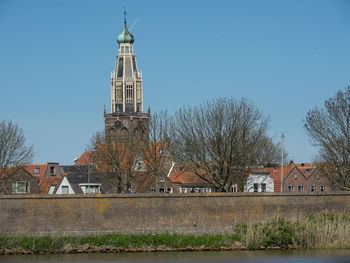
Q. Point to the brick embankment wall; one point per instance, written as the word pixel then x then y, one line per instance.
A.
pixel 192 213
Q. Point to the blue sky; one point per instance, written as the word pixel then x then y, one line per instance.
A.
pixel 56 58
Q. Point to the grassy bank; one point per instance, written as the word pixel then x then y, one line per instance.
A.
pixel 324 231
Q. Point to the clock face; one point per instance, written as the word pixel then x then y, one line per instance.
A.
pixel 118 124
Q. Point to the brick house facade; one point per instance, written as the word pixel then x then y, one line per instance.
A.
pixel 307 179
pixel 22 182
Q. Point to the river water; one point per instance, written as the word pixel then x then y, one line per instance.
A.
pixel 288 256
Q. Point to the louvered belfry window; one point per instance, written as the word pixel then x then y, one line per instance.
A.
pixel 129 93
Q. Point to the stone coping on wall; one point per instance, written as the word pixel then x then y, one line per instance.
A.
pixel 188 195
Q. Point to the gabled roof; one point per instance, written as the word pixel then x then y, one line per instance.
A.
pixel 183 176
pixel 32 167
pixel 86 158
pixel 76 179
pixel 305 171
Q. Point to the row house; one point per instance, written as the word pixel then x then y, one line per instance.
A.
pixel 296 178
pixel 33 179
pixel 307 179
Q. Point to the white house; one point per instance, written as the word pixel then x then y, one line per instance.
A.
pixel 78 184
pixel 259 182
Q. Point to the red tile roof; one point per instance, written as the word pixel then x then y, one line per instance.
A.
pixel 184 176
pixel 86 159
pixel 31 169
pixel 44 182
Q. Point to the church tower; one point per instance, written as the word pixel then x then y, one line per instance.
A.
pixel 126 92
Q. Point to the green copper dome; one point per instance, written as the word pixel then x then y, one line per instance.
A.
pixel 125 36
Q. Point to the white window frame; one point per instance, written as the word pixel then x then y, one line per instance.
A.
pixel 51 189
pixel 88 187
pixel 15 187
pixel 206 190
pixel 290 188
pixel 183 190
pixel 65 187
pixel 234 188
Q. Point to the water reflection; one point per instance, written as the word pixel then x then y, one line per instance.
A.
pixel 303 256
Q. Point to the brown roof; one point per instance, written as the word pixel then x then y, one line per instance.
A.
pixel 46 182
pixel 31 169
pixel 184 176
pixel 86 158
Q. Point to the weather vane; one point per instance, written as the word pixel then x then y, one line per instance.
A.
pixel 124 14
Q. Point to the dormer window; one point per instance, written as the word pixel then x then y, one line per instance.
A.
pixel 52 170
pixel 307 171
pixel 36 170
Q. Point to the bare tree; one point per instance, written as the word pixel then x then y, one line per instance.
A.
pixel 155 148
pixel 220 140
pixel 115 158
pixel 13 150
pixel 270 153
pixel 329 129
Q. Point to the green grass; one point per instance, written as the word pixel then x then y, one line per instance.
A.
pixel 322 231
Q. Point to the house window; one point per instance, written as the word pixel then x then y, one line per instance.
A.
pixel 206 190
pixel 295 176
pixel 52 170
pixel 307 171
pixel 52 189
pixel 300 188
pixel 20 188
pixel 290 188
pixel 234 188
pixel 183 190
pixel 313 188
pixel 153 190
pixel 318 177
pixel 263 187
pixel 322 188
pixel 161 180
pixel 36 170
pixel 169 190
pixel 65 189
pixel 256 187
pixel 161 190
pixel 93 189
